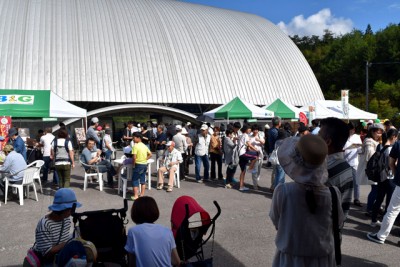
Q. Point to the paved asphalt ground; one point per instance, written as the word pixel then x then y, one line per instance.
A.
pixel 244 233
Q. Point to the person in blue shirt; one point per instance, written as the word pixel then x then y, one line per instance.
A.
pixel 18 143
pixel 13 165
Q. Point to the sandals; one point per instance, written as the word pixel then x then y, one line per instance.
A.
pixel 160 186
pixel 169 189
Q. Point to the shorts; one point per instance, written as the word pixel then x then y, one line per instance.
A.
pixel 139 175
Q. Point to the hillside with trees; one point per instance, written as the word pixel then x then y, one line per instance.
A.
pixel 340 62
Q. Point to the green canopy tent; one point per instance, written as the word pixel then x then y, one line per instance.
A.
pixel 239 109
pixel 283 109
pixel 37 104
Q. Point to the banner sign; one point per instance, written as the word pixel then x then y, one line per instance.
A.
pixel 17 99
pixel 5 125
pixel 345 103
pixel 303 118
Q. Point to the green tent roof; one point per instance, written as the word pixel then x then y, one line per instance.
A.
pixel 283 110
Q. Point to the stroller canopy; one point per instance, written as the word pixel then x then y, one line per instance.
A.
pixel 179 212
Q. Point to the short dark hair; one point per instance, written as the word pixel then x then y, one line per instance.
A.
pixel 237 125
pixel 62 133
pixel 228 132
pixel 255 127
pixel 144 210
pixel 337 130
pixel 138 135
pixel 276 120
pixel 90 139
pixel 388 123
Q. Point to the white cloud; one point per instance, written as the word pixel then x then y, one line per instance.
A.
pixel 316 24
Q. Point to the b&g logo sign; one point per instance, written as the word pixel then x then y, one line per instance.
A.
pixel 17 99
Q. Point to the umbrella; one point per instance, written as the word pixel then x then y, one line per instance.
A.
pixel 238 109
pixel 205 118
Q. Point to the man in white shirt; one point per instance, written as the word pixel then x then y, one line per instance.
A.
pixel 45 142
pixel 172 158
pixel 202 144
pixel 180 145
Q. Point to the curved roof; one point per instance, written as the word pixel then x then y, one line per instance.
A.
pixel 149 51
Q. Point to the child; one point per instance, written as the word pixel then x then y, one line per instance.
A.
pixel 149 244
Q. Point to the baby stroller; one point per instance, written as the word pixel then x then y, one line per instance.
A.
pixel 191 235
pixel 106 230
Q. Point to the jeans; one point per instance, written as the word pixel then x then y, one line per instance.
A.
pixel 46 167
pixel 384 188
pixel 105 166
pixel 230 172
pixel 108 154
pixel 198 160
pixel 64 175
pixel 256 175
pixel 372 197
pixel 216 159
pixel 356 187
pixel 279 175
pixel 391 215
pixel 139 175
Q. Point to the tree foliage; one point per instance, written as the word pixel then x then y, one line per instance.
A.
pixel 340 62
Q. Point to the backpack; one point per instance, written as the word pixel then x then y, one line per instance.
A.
pixel 65 146
pixel 376 164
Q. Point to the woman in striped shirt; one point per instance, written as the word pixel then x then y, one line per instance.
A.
pixel 53 230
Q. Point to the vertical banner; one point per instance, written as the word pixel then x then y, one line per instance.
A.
pixel 5 125
pixel 345 103
pixel 311 114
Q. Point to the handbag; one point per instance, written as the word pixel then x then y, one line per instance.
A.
pixel 32 259
pixel 190 160
pixel 336 229
pixel 273 158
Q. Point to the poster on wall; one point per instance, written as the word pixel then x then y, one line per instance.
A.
pixel 5 125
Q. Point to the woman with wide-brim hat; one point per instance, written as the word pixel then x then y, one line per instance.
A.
pixel 305 203
pixel 54 229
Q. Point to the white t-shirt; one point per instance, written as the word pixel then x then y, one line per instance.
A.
pixel 46 141
pixel 351 150
pixel 151 243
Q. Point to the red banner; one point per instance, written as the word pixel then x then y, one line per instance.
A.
pixel 303 118
pixel 5 125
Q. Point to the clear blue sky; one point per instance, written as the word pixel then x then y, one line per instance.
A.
pixel 308 17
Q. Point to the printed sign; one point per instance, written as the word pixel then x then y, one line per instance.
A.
pixel 17 99
pixel 345 103
pixel 5 125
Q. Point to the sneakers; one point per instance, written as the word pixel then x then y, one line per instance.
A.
pixel 234 181
pixel 374 238
pixel 357 203
pixel 228 186
pixel 375 224
pixel 169 189
pixel 199 181
pixel 242 189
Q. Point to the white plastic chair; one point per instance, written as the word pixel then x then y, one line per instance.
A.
pixel 92 171
pixel 38 164
pixel 123 182
pixel 177 182
pixel 27 181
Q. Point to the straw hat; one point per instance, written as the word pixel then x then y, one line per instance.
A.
pixel 304 159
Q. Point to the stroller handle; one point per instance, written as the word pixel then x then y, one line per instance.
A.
pixel 218 210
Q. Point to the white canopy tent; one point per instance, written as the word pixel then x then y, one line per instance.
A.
pixel 333 108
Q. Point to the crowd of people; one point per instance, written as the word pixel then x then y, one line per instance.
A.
pixel 327 163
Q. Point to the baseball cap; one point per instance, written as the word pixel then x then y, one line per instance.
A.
pixel 94 120
pixel 170 143
pixel 204 127
pixel 178 127
pixel 127 150
pixel 12 132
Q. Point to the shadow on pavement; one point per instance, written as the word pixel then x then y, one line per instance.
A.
pixel 359 262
